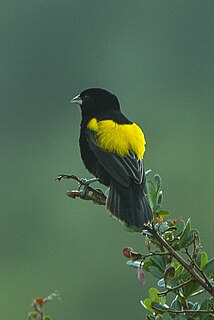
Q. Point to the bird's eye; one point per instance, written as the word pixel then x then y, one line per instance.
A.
pixel 86 97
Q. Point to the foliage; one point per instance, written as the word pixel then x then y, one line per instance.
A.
pixel 38 307
pixel 176 259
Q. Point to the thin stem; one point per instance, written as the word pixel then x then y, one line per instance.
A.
pixel 186 311
pixel 163 293
pixel 155 254
pixel 188 267
pixel 204 276
pixel 194 264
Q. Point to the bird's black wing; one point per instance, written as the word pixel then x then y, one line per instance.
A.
pixel 122 169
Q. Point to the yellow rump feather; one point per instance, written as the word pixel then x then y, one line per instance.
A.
pixel 119 138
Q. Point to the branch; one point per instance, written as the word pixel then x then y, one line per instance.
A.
pixel 163 293
pixel 97 196
pixel 194 264
pixel 186 311
pixel 129 253
pixel 86 193
pixel 187 266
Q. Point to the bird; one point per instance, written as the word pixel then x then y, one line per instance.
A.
pixel 112 149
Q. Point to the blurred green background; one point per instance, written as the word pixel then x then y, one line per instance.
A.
pixel 157 57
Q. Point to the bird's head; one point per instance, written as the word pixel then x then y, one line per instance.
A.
pixel 96 101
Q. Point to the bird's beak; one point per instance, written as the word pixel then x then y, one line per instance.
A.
pixel 77 100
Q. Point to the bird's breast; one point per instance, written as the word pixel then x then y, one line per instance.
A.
pixel 118 138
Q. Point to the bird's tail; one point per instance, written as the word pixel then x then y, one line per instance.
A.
pixel 129 205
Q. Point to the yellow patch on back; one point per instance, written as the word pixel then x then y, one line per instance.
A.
pixel 118 138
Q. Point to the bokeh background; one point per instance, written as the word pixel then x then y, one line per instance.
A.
pixel 157 57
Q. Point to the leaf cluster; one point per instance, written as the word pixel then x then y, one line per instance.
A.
pixel 38 307
pixel 182 269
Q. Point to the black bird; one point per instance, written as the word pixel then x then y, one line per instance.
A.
pixel 112 149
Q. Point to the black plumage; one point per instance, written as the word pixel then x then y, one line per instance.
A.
pixel 125 175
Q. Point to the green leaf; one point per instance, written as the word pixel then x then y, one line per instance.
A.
pixel 133 264
pixel 150 317
pixel 175 245
pixel 159 307
pixel 180 225
pixel 161 283
pixel 151 193
pixel 169 236
pixel 178 271
pixel 211 303
pixel 164 213
pixel 47 318
pixel 166 316
pixel 147 305
pixel 185 275
pixel 156 272
pixel 209 267
pixel 190 289
pixel 162 300
pixel 172 228
pixel 203 259
pixel 197 292
pixel 196 306
pixel 205 306
pixel 189 238
pixel 147 264
pixel 169 274
pixel 176 304
pixel 148 172
pixel 163 226
pixel 159 262
pixel 185 233
pixel 159 198
pixel 153 294
pixel 32 315
pixel 207 317
pixel 158 183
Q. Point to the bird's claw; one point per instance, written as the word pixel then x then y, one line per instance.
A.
pixel 87 182
pixel 84 188
pixel 82 181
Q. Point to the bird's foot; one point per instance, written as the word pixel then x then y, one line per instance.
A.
pixel 84 191
pixel 87 182
pixel 82 181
